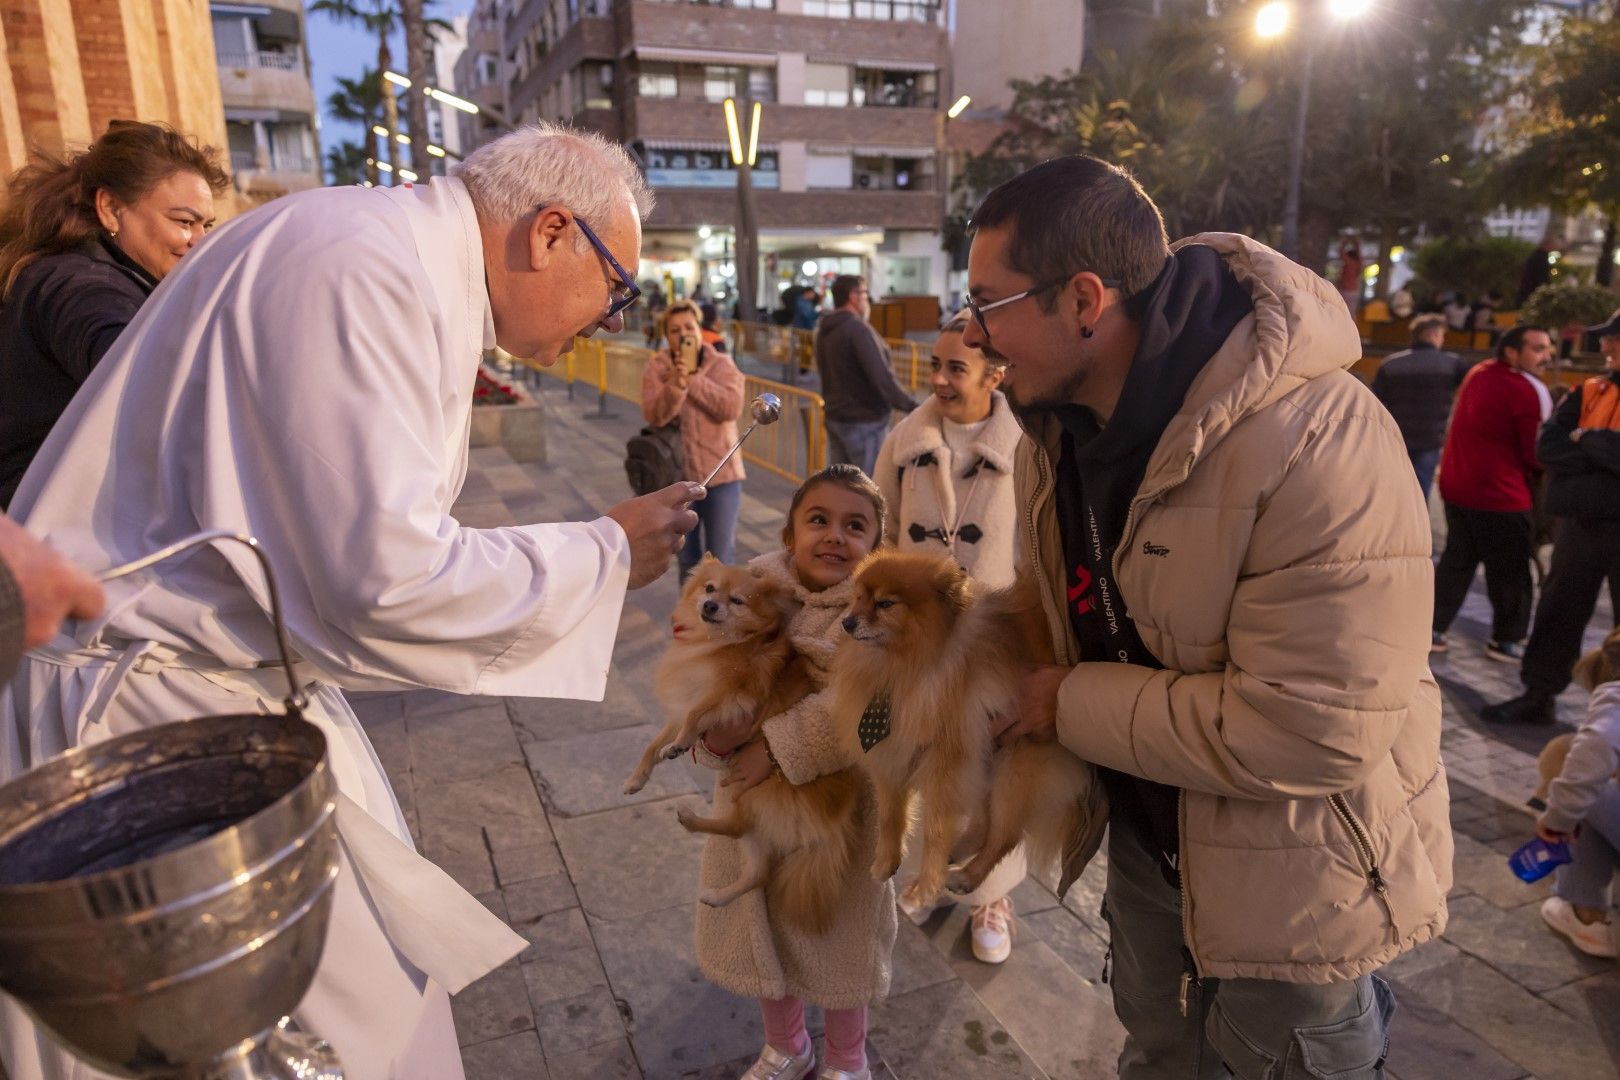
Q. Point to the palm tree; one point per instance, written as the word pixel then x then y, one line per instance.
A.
pixel 347 163
pixel 382 18
pixel 416 61
pixel 360 101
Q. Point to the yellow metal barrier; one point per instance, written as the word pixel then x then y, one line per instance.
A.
pixel 793 447
pixel 906 358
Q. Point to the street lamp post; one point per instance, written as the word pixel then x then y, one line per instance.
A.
pixel 743 158
pixel 1272 21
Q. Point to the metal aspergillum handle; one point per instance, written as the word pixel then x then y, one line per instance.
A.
pixel 296 701
pixel 766 409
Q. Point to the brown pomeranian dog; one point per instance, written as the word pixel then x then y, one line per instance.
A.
pixel 731 644
pixel 926 666
pixel 799 842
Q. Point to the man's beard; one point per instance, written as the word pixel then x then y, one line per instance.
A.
pixel 1066 392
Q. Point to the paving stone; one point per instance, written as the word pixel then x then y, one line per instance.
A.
pixel 392 744
pixel 580 1022
pixel 1030 896
pixel 1595 1001
pixel 1425 1044
pixel 429 702
pixel 497 812
pixel 634 860
pixel 678 1020
pixel 563 975
pixel 516 1057
pixel 1516 1023
pixel 463 745
pixel 606 1061
pixel 514 865
pixel 1075 943
pixel 1044 1004
pixel 1485 871
pixel 1085 896
pixel 543 719
pixel 1430 954
pixel 552 934
pixel 532 900
pixel 916 963
pixel 1518 944
pixel 494 1006
pixel 945 1031
pixel 585 774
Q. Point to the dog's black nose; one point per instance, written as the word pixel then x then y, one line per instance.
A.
pixel 850 623
pixel 711 608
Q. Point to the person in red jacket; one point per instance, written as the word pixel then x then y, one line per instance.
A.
pixel 1486 471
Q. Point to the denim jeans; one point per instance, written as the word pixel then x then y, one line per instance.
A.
pixel 856 444
pixel 1248 1029
pixel 1424 462
pixel 717 527
pixel 1585 882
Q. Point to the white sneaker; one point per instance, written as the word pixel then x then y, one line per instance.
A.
pixel 775 1065
pixel 1591 938
pixel 906 901
pixel 992 931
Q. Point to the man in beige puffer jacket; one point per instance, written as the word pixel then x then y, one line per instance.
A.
pixel 1236 572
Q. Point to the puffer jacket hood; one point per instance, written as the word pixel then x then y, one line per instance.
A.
pixel 1282 578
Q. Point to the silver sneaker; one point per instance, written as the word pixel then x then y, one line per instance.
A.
pixel 775 1065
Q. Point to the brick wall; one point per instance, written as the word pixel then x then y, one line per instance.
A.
pixel 44 63
pixel 689 25
pixel 682 119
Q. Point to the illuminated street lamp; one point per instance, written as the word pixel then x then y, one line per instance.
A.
pixel 958 106
pixel 1271 22
pixel 472 108
pixel 747 221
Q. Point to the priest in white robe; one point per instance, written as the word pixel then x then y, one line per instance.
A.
pixel 306 376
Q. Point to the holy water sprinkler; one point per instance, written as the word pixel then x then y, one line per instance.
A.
pixel 766 409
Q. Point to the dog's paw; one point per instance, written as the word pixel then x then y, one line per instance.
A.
pixel 685 815
pixel 884 869
pixel 674 751
pixel 961 882
pixel 634 784
pixel 711 898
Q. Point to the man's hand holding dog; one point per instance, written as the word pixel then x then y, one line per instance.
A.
pixel 1035 710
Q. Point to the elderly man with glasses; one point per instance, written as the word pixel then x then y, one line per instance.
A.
pixel 306 376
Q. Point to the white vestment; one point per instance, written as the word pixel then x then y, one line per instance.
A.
pixel 306 376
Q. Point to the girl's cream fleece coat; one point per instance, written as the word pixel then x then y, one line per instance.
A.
pixel 739 947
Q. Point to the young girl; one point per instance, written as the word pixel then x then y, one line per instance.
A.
pixel 1583 808
pixel 835 518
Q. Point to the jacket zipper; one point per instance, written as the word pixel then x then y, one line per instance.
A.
pixel 1364 848
pixel 1191 976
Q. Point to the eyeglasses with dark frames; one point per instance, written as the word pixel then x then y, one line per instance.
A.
pixel 625 291
pixel 978 310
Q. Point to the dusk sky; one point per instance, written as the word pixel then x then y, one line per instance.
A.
pixel 336 50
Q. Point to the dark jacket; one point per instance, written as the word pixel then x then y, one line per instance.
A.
pixel 857 383
pixel 1417 387
pixel 62 316
pixel 1583 478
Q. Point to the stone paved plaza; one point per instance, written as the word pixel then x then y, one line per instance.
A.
pixel 520 800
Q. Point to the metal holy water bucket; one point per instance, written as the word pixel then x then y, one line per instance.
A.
pixel 164 895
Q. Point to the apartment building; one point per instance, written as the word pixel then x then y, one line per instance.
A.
pixel 264 80
pixel 849 175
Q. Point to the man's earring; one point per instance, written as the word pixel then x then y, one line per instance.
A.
pixel 1086 331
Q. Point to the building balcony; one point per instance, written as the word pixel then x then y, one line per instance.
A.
pixel 679 25
pixel 265 80
pixel 651 119
pixel 262 185
pixel 831 210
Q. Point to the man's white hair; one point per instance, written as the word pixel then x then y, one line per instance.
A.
pixel 544 164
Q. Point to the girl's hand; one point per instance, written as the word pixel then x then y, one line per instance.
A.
pixel 748 768
pixel 1553 836
pixel 727 735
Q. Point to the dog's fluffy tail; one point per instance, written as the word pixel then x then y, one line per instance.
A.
pixel 1060 779
pixel 808 882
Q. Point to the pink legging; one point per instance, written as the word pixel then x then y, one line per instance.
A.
pixel 846 1031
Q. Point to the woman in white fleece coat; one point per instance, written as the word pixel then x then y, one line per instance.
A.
pixel 837 516
pixel 946 471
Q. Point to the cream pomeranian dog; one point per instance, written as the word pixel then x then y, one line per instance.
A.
pixel 927 664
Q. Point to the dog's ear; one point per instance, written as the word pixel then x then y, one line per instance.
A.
pixel 708 557
pixel 952 583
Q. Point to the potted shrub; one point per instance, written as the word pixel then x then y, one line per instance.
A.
pixel 505 414
pixel 1564 307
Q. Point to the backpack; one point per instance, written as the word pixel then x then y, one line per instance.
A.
pixel 653 460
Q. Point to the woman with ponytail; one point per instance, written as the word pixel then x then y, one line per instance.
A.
pixel 84 239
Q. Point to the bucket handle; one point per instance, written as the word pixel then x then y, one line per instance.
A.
pixel 296 701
